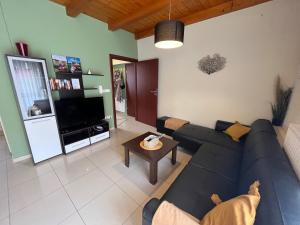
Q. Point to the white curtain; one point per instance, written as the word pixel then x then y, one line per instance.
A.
pixel 30 83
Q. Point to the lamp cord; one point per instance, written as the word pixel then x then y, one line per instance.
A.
pixel 170 9
pixel 6 26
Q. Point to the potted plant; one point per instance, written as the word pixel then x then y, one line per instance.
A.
pixel 280 107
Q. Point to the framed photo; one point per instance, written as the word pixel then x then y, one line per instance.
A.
pixel 74 64
pixel 60 64
pixel 75 84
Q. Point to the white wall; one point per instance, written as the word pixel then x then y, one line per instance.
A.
pixel 259 43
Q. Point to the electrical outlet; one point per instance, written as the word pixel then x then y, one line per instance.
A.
pixel 108 117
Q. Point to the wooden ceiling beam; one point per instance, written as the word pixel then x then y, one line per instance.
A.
pixel 145 11
pixel 215 11
pixel 75 7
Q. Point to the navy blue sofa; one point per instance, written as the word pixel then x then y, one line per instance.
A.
pixel 227 168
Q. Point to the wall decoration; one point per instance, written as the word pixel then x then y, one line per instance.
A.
pixel 74 64
pixel 60 63
pixel 212 64
pixel 76 84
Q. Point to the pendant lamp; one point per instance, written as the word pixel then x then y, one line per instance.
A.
pixel 169 34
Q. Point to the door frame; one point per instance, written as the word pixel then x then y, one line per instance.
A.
pixel 123 58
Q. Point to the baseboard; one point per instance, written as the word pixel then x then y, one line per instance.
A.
pixel 19 159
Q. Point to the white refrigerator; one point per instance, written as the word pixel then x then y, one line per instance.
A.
pixel 30 80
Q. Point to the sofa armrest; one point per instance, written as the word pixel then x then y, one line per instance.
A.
pixel 222 125
pixel 149 210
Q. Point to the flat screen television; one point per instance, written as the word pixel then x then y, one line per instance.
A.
pixel 79 112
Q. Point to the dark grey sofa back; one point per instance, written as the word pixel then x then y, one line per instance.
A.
pixel 264 160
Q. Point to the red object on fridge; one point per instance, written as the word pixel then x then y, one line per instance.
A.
pixel 22 48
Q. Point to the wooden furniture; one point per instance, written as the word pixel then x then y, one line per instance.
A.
pixel 140 16
pixel 147 91
pixel 152 156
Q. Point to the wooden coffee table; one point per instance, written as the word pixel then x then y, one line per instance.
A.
pixel 152 156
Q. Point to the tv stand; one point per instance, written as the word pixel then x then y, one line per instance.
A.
pixel 76 138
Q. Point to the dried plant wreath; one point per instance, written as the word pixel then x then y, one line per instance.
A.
pixel 212 64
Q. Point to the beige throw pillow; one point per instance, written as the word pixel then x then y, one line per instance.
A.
pixel 169 214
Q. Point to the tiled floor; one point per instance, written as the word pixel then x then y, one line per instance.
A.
pixel 90 186
pixel 121 118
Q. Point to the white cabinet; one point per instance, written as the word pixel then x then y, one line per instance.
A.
pixel 99 137
pixel 43 138
pixel 77 145
pixel 292 146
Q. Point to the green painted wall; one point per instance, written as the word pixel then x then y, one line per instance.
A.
pixel 44 26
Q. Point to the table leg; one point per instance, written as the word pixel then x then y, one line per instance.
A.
pixel 127 157
pixel 153 172
pixel 174 154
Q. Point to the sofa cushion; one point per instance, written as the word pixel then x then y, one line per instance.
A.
pixel 192 189
pixel 219 160
pixel 262 125
pixel 279 189
pixel 264 145
pixel 198 135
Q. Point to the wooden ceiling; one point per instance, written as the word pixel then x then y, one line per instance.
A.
pixel 140 16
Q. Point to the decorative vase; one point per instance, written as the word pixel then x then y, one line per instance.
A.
pixel 22 48
pixel 276 122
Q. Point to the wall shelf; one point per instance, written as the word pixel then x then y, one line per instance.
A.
pixel 93 74
pixel 94 88
pixel 68 73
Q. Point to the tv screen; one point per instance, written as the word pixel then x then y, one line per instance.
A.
pixel 78 112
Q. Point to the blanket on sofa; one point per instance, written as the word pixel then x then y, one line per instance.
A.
pixel 175 123
pixel 168 214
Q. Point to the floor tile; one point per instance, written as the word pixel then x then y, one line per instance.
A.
pixel 136 184
pixel 4 209
pixel 113 207
pixel 50 210
pixel 30 191
pixel 4 221
pixel 3 180
pixel 135 218
pixel 87 187
pixel 96 179
pixel 102 158
pixel 115 170
pixel 64 160
pixel 71 171
pixel 24 171
pixel 73 220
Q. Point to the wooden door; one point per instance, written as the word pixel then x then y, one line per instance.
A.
pixel 147 91
pixel 131 89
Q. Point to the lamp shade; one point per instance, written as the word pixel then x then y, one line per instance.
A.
pixel 169 34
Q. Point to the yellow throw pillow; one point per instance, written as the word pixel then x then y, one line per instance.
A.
pixel 237 211
pixel 236 131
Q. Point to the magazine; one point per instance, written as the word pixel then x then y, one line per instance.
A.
pixel 60 64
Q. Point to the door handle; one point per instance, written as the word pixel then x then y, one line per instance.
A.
pixel 154 91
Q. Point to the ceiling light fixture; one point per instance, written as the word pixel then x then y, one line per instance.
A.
pixel 169 33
